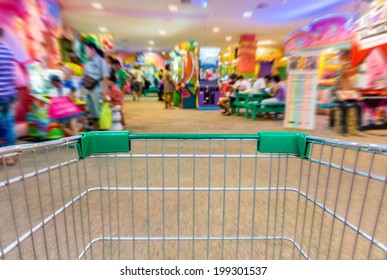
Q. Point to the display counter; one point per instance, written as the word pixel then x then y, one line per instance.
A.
pixel 374 108
pixel 40 125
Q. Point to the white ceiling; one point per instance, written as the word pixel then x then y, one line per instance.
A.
pixel 134 22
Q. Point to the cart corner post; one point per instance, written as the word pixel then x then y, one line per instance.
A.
pixel 284 143
pixel 103 142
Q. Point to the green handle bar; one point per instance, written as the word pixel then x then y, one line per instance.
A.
pixel 103 142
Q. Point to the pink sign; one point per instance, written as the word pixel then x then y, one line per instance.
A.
pixel 327 30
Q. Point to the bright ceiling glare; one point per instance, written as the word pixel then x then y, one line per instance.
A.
pixel 103 29
pixel 162 32
pixel 228 38
pixel 205 4
pixel 216 29
pixel 151 42
pixel 247 14
pixel 97 5
pixel 266 42
pixel 173 8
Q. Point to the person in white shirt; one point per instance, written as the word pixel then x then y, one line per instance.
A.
pixel 242 85
pixel 261 84
pixel 138 84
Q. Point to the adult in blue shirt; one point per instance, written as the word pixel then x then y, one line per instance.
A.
pixel 7 98
pixel 98 69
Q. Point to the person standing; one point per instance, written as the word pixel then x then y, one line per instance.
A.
pixel 97 69
pixel 138 84
pixel 121 74
pixel 161 85
pixel 7 98
pixel 346 96
pixel 122 78
pixel 110 60
pixel 169 87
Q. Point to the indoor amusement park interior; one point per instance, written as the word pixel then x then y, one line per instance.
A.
pixel 193 130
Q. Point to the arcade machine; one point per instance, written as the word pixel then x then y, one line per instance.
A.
pixel 177 72
pixel 208 94
pixel 185 96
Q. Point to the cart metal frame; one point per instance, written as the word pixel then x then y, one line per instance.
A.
pixel 300 209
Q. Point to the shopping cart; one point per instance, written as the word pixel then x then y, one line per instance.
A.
pixel 114 195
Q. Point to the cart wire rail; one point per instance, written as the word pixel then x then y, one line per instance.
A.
pixel 271 195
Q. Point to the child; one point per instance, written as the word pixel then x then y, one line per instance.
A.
pixel 116 100
pixel 63 109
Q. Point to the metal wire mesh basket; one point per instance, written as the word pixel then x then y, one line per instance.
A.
pixel 115 195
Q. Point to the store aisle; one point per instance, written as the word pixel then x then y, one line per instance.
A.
pixel 149 116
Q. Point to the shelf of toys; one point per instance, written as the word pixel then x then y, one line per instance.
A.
pixel 330 36
pixel 369 56
pixel 41 124
pixel 30 29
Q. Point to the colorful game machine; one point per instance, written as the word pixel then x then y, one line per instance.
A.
pixel 327 36
pixel 41 125
pixel 369 55
pixel 185 95
pixel 177 71
pixel 208 94
pixel 152 63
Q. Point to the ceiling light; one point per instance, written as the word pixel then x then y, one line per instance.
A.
pixel 162 32
pixel 96 5
pixel 228 38
pixel 173 8
pixel 216 29
pixel 247 14
pixel 103 29
pixel 151 42
pixel 266 42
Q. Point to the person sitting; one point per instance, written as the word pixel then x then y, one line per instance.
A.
pixel 346 96
pixel 242 85
pixel 261 84
pixel 230 96
pixel 277 92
